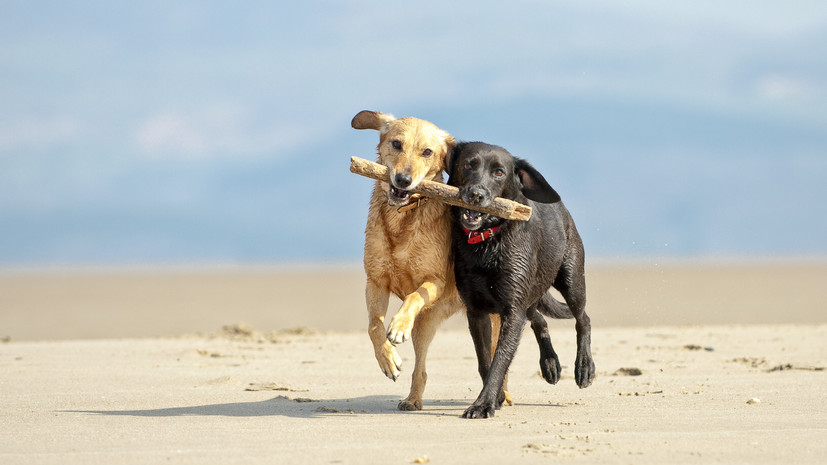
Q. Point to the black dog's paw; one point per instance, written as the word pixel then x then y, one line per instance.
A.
pixel 584 370
pixel 479 411
pixel 550 367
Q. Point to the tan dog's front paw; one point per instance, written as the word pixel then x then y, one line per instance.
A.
pixel 400 328
pixel 389 361
pixel 508 399
pixel 409 405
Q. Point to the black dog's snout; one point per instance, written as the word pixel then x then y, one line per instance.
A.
pixel 474 195
pixel 402 180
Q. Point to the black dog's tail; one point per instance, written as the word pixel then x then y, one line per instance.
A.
pixel 553 308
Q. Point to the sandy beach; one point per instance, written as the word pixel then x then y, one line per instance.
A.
pixel 697 363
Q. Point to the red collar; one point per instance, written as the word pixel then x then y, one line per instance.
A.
pixel 475 237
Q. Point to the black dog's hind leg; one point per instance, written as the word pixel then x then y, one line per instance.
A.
pixel 584 363
pixel 549 363
pixel 491 395
pixel 571 282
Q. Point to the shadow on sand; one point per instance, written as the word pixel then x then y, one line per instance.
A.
pixel 296 408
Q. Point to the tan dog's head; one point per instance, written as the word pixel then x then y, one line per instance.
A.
pixel 411 148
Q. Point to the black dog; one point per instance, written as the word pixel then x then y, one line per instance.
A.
pixel 507 267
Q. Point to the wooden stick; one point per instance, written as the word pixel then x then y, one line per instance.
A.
pixel 501 207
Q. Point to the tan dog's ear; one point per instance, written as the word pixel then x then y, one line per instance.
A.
pixel 366 119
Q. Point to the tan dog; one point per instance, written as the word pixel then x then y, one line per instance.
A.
pixel 408 245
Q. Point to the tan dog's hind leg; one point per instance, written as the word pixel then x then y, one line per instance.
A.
pixel 496 322
pixel 377 301
pixel 402 323
pixel 423 333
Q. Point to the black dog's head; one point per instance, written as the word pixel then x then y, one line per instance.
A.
pixel 483 172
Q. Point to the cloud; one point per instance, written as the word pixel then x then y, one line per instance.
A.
pixel 171 133
pixel 217 132
pixel 781 87
pixel 37 133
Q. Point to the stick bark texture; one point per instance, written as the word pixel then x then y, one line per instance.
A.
pixel 501 207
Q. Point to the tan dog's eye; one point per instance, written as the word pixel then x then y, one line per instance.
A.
pixel 397 145
pixel 427 153
pixel 499 172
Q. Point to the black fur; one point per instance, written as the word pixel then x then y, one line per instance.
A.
pixel 511 272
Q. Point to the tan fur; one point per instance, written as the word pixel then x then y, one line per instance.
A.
pixel 408 253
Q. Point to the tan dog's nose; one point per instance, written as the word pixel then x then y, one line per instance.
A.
pixel 402 180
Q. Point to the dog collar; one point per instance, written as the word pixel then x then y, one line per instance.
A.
pixel 417 200
pixel 475 237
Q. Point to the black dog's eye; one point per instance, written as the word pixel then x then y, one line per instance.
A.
pixel 471 164
pixel 427 153
pixel 397 145
pixel 499 172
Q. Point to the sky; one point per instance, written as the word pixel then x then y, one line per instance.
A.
pixel 202 132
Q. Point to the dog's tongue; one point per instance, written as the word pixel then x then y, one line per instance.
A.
pixel 471 218
pixel 472 214
pixel 400 193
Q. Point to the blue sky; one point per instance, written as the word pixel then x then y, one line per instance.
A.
pixel 188 132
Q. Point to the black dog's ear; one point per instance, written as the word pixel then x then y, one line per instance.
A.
pixel 534 185
pixel 452 156
pixel 450 145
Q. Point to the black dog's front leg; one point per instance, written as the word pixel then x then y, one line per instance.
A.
pixel 479 324
pixel 510 332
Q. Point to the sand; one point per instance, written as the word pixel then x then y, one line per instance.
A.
pixel 133 367
pixel 103 303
